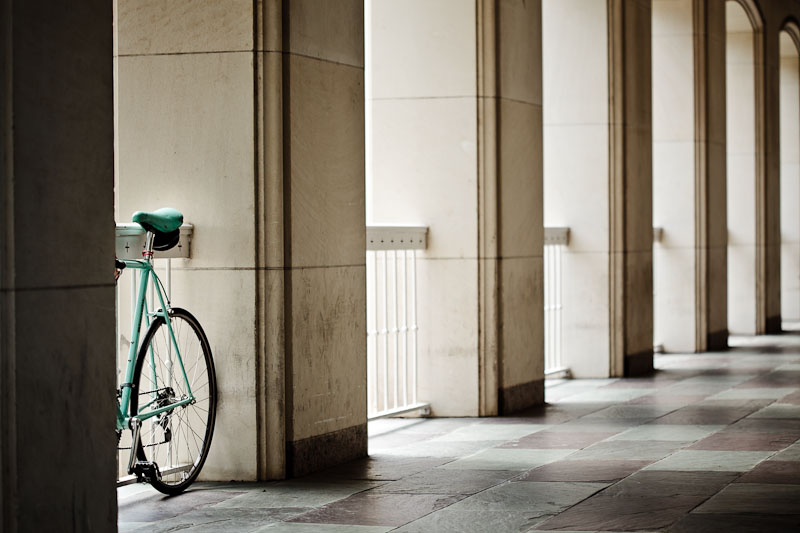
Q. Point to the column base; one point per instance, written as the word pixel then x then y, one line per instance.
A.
pixel 639 364
pixel 322 451
pixel 519 397
pixel 718 341
pixel 774 324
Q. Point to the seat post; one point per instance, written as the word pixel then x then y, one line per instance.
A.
pixel 147 253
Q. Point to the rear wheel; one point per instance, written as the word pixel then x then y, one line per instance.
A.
pixel 177 440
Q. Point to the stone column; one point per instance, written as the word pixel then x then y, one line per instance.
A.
pixel 249 119
pixel 456 146
pixel 711 161
pixel 311 244
pixel 57 444
pixel 598 179
pixel 770 203
pixel 519 168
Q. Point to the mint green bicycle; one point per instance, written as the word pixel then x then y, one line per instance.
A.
pixel 168 398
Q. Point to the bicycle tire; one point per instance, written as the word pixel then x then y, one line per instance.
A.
pixel 178 440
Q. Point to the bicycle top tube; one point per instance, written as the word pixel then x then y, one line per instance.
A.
pixel 141 264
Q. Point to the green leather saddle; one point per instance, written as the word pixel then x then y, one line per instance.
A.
pixel 165 224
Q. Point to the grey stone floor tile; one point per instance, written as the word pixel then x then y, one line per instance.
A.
pixel 773 472
pixel 645 500
pixel 668 432
pixel 433 426
pixel 593 471
pixel 628 450
pixel 583 424
pixel 635 411
pixel 125 527
pixel 450 520
pixel 544 498
pixel 484 432
pixel 754 393
pixel 518 460
pixel 368 509
pixel 153 506
pixel 447 481
pixel 221 521
pixel 736 523
pixel 729 380
pixel 607 395
pixel 778 411
pixel 754 498
pixel 379 467
pixel 296 493
pixel 293 527
pixel 710 461
pixel 386 443
pixel 792 453
pixel 448 449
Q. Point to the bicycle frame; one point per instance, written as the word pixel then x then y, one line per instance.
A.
pixel 123 418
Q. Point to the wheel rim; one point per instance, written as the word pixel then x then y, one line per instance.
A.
pixel 176 440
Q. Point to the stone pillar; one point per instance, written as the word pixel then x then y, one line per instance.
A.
pixel 456 143
pixel 310 201
pixel 598 179
pixel 790 173
pixel 249 119
pixel 57 445
pixel 770 203
pixel 519 217
pixel 688 163
pixel 711 161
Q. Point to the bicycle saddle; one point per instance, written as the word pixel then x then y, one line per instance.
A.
pixel 165 223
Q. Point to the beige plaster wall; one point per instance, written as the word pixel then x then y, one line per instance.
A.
pixel 790 178
pixel 455 146
pixel 424 171
pixel 742 177
pixel 674 178
pixel 185 139
pixel 576 163
pixel 249 119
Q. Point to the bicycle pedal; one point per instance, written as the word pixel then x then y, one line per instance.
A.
pixel 146 472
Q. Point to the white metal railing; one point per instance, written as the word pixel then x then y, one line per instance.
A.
pixel 392 319
pixel 658 236
pixel 555 240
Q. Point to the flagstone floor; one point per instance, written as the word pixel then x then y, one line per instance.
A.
pixel 710 442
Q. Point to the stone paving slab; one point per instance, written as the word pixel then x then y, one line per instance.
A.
pixel 755 498
pixel 710 442
pixel 451 520
pixel 709 461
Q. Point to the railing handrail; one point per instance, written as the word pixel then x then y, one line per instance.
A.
pixel 556 235
pixel 397 237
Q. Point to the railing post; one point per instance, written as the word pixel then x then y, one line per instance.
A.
pixel 555 240
pixel 398 307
